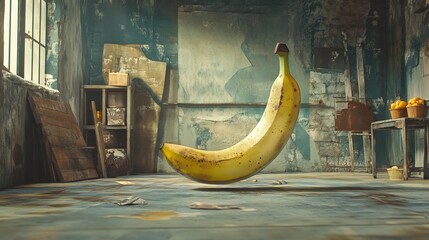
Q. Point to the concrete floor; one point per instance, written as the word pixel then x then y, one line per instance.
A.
pixel 305 206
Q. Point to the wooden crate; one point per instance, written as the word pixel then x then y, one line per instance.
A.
pixel 356 117
pixel 118 79
pixel 116 116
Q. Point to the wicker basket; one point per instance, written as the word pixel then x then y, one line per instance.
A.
pixel 417 111
pixel 395 173
pixel 398 113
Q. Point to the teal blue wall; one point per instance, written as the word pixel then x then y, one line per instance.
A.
pixel 414 57
pixel 145 22
pixel 222 52
pixel 53 42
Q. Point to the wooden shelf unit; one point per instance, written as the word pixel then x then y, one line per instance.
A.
pixel 99 94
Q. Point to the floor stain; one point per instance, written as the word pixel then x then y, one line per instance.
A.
pixel 91 199
pixel 25 196
pixel 151 216
pixel 43 213
pixel 32 205
pixel 105 188
pixel 60 205
pixel 387 199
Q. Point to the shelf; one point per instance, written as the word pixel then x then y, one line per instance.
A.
pixel 92 127
pixel 106 97
pixel 98 87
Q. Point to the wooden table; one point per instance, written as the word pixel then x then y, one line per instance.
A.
pixel 403 124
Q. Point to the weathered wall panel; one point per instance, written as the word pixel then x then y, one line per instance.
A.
pixel 415 58
pixel 52 42
pixel 221 52
pixel 228 57
pixel 70 59
pixel 237 66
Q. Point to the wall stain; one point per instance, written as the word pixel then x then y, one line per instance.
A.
pixel 203 136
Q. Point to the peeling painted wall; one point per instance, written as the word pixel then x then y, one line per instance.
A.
pixel 222 52
pixel 416 55
pixel 120 22
pixel 52 42
pixel 415 59
pixel 226 55
pixel 70 59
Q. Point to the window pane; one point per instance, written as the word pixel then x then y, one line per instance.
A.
pixel 43 24
pixel 36 61
pixel 28 17
pixel 28 57
pixel 14 37
pixel 42 65
pixel 35 32
pixel 36 20
pixel 6 33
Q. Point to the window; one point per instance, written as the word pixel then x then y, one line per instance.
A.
pixel 25 38
pixel 10 52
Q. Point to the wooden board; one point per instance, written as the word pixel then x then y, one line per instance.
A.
pixel 65 146
pixel 138 66
pixel 145 131
pixel 148 80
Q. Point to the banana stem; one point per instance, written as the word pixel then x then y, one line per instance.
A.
pixel 283 51
pixel 284 66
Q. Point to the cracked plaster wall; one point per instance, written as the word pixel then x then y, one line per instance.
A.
pixel 412 51
pixel 229 59
pixel 314 146
pixel 221 52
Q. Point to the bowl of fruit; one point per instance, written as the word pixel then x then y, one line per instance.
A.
pixel 417 108
pixel 398 109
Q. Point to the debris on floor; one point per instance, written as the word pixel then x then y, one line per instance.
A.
pixel 249 180
pixel 279 182
pixel 208 206
pixel 132 200
pixel 125 183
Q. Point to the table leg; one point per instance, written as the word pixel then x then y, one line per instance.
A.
pixel 373 157
pixel 425 154
pixel 404 150
pixel 351 151
pixel 367 150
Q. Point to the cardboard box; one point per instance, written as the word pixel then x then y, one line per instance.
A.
pixel 117 99
pixel 114 138
pixel 118 79
pixel 116 116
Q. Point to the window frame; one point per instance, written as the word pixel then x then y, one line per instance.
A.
pixel 22 37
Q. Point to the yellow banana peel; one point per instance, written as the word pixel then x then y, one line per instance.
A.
pixel 256 150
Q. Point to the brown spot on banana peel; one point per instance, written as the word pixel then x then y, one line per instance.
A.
pixel 280 101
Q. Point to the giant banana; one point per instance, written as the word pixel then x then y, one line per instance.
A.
pixel 257 149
